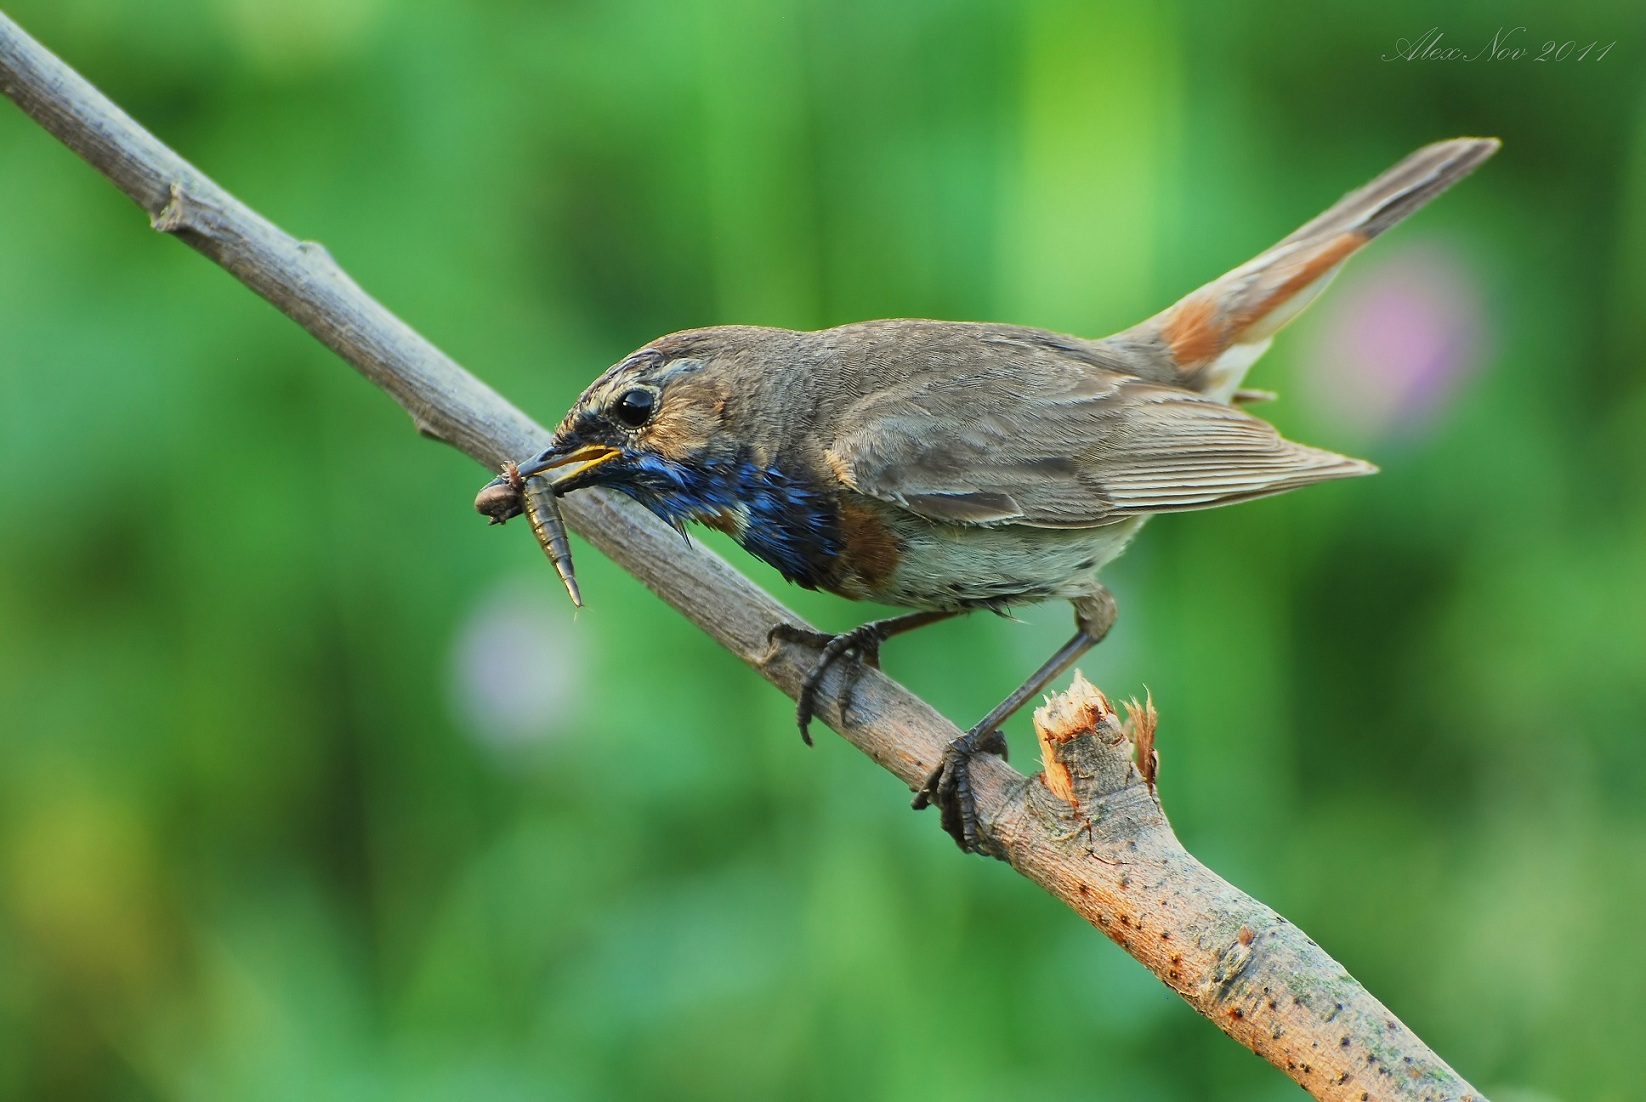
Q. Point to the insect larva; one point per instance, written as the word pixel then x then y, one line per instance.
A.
pixel 509 495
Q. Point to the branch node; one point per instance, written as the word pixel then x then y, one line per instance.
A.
pixel 179 215
pixel 429 429
pixel 1231 962
pixel 316 251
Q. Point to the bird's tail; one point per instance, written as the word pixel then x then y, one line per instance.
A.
pixel 1210 337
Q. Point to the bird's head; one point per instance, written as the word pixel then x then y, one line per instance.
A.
pixel 653 427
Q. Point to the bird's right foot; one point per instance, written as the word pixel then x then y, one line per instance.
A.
pixel 949 788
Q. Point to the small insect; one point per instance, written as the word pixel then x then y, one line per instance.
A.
pixel 508 495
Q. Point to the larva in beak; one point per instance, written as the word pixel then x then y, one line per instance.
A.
pixel 509 495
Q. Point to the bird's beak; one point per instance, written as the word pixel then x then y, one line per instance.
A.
pixel 580 459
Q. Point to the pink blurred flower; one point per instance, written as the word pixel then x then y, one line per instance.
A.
pixel 515 674
pixel 1394 346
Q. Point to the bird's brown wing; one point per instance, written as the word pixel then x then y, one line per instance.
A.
pixel 1023 435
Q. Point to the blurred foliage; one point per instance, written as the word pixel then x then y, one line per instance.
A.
pixel 260 837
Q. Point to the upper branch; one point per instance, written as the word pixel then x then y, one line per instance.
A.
pixel 1102 845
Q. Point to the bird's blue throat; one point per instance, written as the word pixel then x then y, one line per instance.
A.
pixel 773 516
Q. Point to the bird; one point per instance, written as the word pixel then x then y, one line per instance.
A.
pixel 948 467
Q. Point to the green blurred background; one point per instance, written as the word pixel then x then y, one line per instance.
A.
pixel 313 787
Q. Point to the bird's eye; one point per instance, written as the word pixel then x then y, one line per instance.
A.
pixel 635 407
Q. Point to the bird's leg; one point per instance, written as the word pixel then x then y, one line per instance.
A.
pixel 950 784
pixel 861 642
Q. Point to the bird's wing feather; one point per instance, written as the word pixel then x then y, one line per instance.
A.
pixel 1026 435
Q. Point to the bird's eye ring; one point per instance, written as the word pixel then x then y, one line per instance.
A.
pixel 636 406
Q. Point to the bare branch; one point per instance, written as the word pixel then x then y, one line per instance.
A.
pixel 1103 846
pixel 1092 832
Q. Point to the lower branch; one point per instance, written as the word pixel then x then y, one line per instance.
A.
pixel 1091 831
pixel 1103 847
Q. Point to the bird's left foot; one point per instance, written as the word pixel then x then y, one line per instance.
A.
pixel 950 786
pixel 861 643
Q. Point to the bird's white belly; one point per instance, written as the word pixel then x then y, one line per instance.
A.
pixel 949 566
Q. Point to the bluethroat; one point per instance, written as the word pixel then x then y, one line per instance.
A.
pixel 952 466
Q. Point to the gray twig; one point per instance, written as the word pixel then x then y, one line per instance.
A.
pixel 1101 845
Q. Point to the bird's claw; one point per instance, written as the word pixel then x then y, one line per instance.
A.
pixel 794 633
pixel 862 643
pixel 949 787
